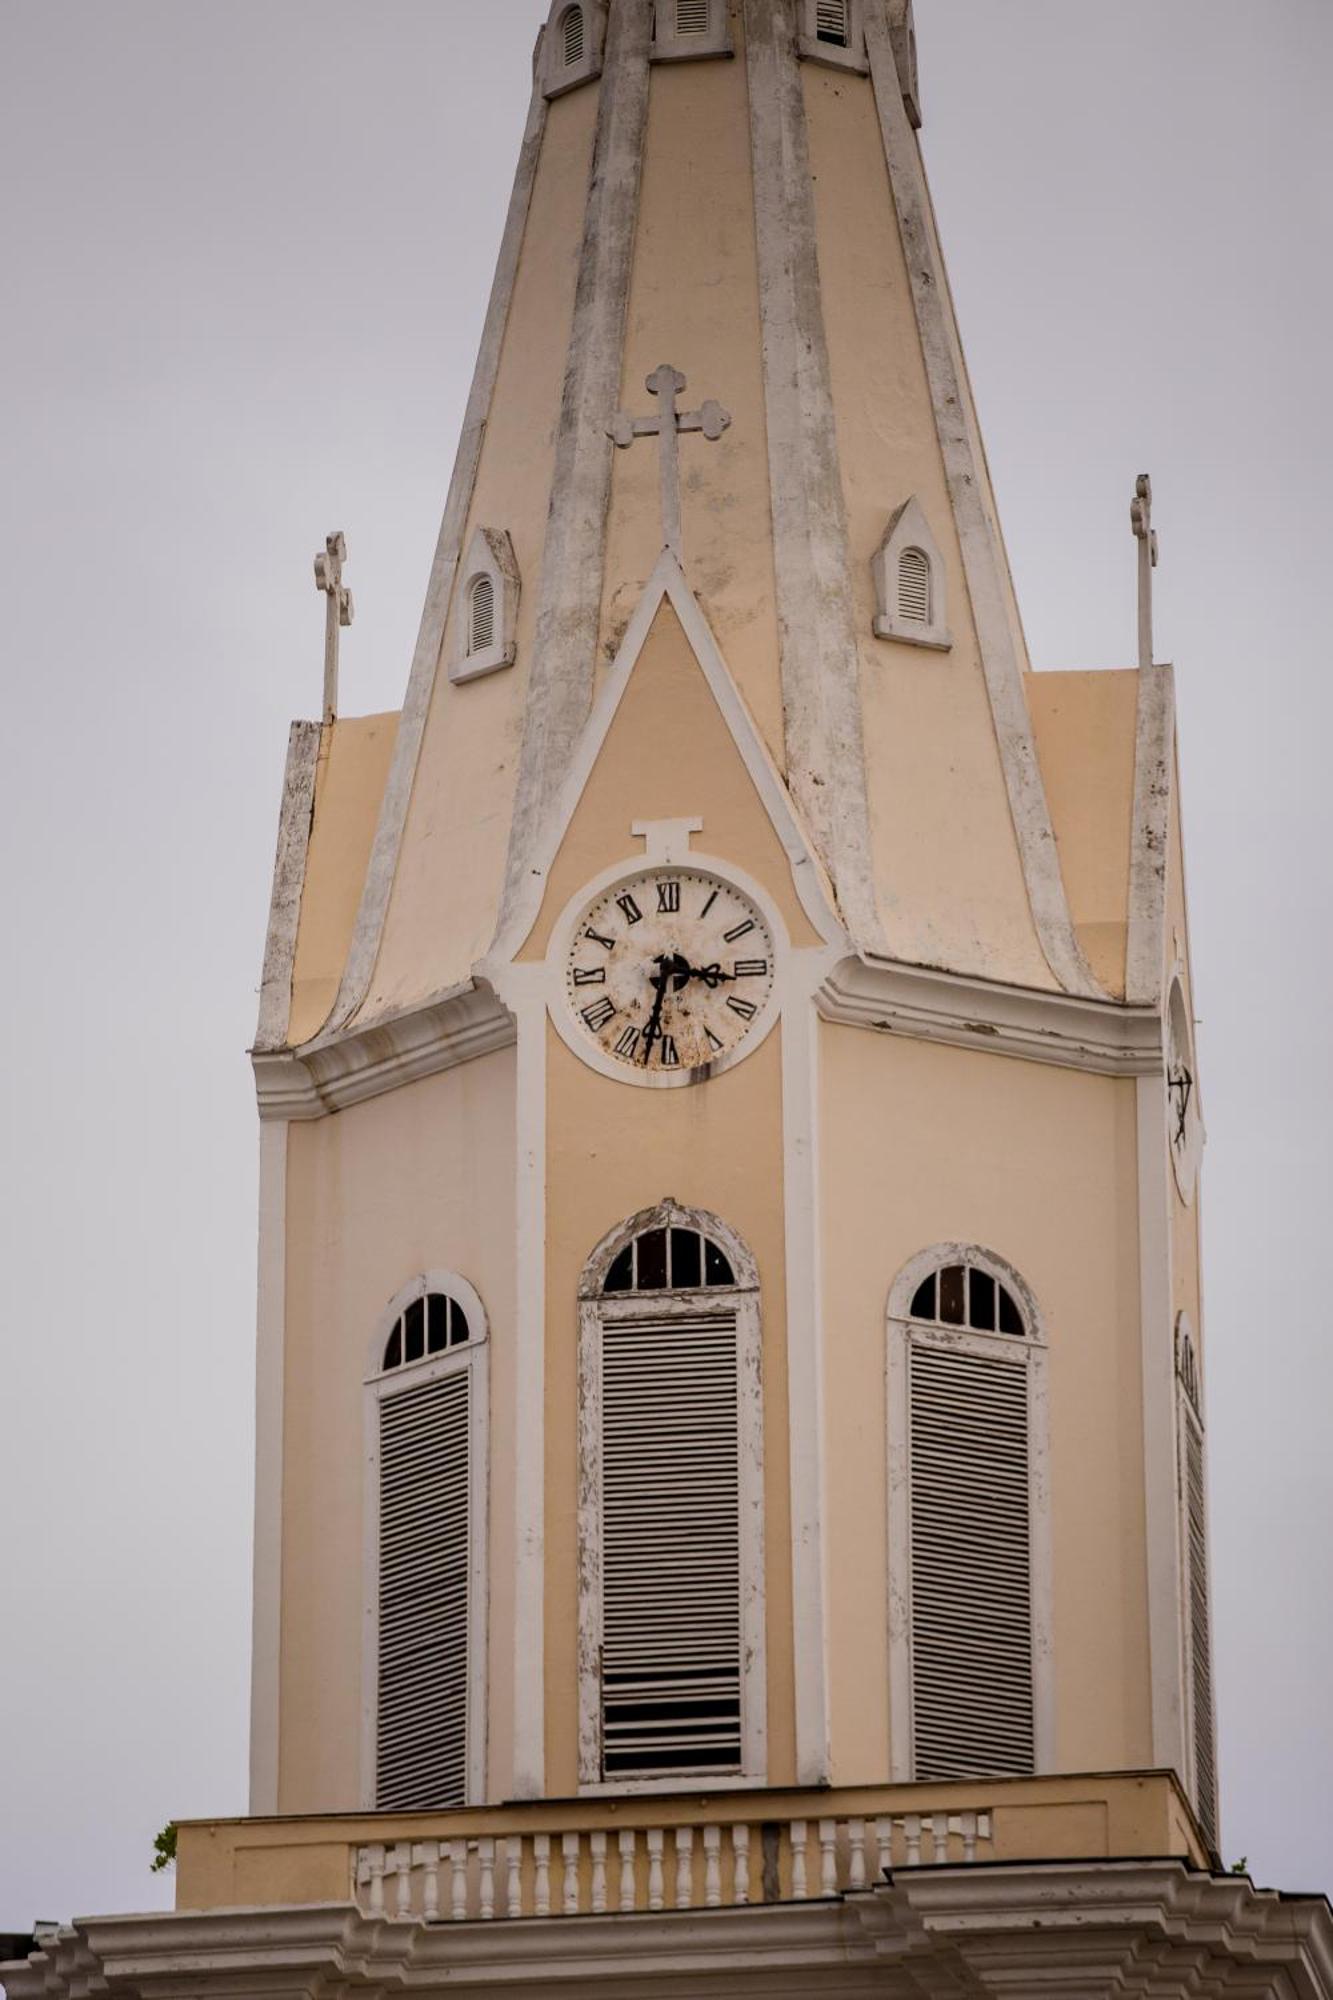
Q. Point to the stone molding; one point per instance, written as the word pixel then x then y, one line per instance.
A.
pixel 295 820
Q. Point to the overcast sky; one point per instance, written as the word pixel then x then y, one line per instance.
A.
pixel 247 249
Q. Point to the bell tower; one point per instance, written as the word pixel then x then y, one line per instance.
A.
pixel 731 1417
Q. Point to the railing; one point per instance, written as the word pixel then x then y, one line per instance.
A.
pixel 690 1867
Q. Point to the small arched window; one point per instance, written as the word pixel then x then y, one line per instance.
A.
pixel 481 615
pixel 671 1674
pixel 914 587
pixel 573 36
pixel 831 22
pixel 969 1554
pixel 430 1325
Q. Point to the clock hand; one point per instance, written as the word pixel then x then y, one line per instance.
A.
pixel 711 975
pixel 653 1030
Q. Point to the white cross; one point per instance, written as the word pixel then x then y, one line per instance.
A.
pixel 666 384
pixel 1140 518
pixel 338 611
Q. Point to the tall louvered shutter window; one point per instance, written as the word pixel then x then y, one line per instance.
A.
pixel 481 615
pixel 671 1655
pixel 572 36
pixel 692 17
pixel 914 587
pixel 831 22
pixel 424 1564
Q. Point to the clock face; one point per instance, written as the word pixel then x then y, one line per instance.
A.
pixel 669 972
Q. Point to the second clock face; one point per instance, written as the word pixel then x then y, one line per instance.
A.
pixel 669 971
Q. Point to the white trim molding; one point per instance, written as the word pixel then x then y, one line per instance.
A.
pixel 908 534
pixel 1161 1511
pixel 691 43
pixel 1030 1352
pixel 596 1309
pixel 1150 834
pixel 270 1401
pixel 490 560
pixel 560 69
pixel 295 818
pixel 379 1385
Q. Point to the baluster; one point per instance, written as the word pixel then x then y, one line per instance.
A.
pixel 458 1880
pixel 912 1829
pixel 374 1867
pixel 856 1854
pixel 514 1873
pixel 541 1861
pixel 426 1856
pixel 627 1842
pixel 569 1850
pixel 597 1843
pixel 969 1827
pixel 684 1867
pixel 740 1864
pixel 486 1877
pixel 828 1857
pixel 402 1866
pixel 712 1867
pixel 939 1837
pixel 884 1846
pixel 799 1831
pixel 656 1887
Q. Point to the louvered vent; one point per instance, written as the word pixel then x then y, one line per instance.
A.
pixel 692 17
pixel 481 616
pixel 1201 1658
pixel 914 587
pixel 831 21
pixel 671 1666
pixel 571 36
pixel 971 1589
pixel 421 1758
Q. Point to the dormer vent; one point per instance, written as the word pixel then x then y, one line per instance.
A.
pixel 831 22
pixel 914 587
pixel 481 615
pixel 910 583
pixel 573 38
pixel 692 17
pixel 486 621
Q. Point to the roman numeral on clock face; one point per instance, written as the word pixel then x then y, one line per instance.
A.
pixel 597 938
pixel 713 1041
pixel 628 1042
pixel 667 1053
pixel 598 1014
pixel 668 898
pixel 629 909
pixel 590 975
pixel 746 968
pixel 745 1008
pixel 739 930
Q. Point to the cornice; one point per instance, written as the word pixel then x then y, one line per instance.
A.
pixel 329 1075
pixel 1058 1028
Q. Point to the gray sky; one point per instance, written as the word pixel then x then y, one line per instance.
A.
pixel 247 253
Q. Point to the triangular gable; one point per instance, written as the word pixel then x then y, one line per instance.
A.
pixel 667 586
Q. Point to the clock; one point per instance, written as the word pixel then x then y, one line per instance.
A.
pixel 669 974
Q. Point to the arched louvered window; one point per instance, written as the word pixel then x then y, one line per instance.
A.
pixel 671 1612
pixel 481 614
pixel 831 21
pixel 914 587
pixel 427 1490
pixel 692 16
pixel 573 36
pixel 969 1652
pixel 1196 1612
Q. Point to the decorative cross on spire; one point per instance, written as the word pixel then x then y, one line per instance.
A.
pixel 1140 517
pixel 337 611
pixel 666 384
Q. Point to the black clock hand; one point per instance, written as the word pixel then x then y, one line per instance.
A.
pixel 711 975
pixel 653 1030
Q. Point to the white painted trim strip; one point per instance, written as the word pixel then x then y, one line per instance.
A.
pixel 295 818
pixel 527 996
pixel 564 650
pixel 820 662
pixel 374 906
pixel 983 560
pixel 270 1369
pixel 1161 1511
pixel 1154 766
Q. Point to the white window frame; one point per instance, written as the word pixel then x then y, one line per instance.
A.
pixel 669 45
pixel 909 529
pixel 557 77
pixel 1031 1352
pixel 380 1384
pixel 1189 1418
pixel 490 554
pixel 744 1295
pixel 853 57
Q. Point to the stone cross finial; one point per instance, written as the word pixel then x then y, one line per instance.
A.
pixel 666 384
pixel 337 611
pixel 1140 517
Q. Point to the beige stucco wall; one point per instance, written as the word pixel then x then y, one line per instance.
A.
pixel 923 1144
pixel 420 1179
pixel 354 755
pixel 1084 724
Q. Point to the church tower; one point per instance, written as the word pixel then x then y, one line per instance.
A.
pixel 731 1429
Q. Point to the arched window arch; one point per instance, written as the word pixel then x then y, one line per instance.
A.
pixel 480 615
pixel 671 1602
pixel 572 33
pixel 914 587
pixel 425 1666
pixel 969 1534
